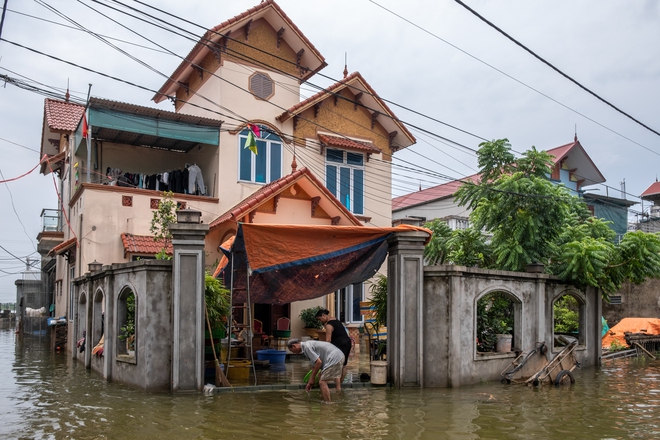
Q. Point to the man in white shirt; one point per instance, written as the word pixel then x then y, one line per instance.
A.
pixel 324 357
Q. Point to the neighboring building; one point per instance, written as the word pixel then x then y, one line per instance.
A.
pixel 651 222
pixel 246 71
pixel 572 167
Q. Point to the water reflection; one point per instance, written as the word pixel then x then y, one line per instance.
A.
pixel 45 395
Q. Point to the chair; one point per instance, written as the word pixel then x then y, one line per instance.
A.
pixel 259 331
pixel 377 335
pixel 283 324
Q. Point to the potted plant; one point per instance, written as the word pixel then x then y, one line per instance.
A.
pixel 310 323
pixel 494 323
pixel 378 301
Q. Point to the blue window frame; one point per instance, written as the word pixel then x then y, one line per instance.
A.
pixel 266 165
pixel 344 178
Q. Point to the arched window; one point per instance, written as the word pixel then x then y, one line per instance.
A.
pixel 98 321
pixel 498 322
pixel 82 319
pixel 266 165
pixel 568 320
pixel 126 322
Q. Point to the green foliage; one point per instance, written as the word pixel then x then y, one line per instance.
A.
pixel 532 220
pixel 494 317
pixel 128 329
pixel 308 317
pixel 567 315
pixel 437 250
pixel 162 218
pixel 216 296
pixel 378 291
pixel 616 346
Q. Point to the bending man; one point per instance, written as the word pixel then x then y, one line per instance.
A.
pixel 335 333
pixel 324 357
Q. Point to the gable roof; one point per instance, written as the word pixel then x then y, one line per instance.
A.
pixel 575 157
pixel 370 100
pixel 253 201
pixel 572 154
pixel 430 194
pixel 652 190
pixel 143 244
pixel 62 115
pixel 275 16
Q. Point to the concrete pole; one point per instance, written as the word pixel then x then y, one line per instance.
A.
pixel 188 301
pixel 405 323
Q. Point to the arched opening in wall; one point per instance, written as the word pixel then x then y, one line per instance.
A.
pixel 126 322
pixel 498 323
pixel 568 320
pixel 98 323
pixel 81 332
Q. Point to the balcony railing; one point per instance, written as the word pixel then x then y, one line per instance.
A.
pixel 51 221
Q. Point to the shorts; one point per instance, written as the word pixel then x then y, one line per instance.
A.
pixel 346 349
pixel 332 372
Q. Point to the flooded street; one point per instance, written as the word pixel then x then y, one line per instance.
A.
pixel 45 395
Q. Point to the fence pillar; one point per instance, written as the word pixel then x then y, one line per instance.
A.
pixel 188 301
pixel 405 331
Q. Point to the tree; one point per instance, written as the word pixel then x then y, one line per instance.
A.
pixel 532 220
pixel 162 218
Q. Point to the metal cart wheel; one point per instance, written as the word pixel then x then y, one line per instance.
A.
pixel 565 377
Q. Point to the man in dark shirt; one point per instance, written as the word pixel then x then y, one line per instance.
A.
pixel 336 334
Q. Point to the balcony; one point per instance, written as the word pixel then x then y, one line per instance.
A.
pixel 50 220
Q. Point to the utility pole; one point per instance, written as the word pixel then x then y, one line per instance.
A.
pixel 2 20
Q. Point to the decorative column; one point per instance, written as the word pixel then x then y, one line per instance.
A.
pixel 405 324
pixel 188 301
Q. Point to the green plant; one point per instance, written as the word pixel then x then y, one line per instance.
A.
pixel 162 218
pixel 128 330
pixel 616 346
pixel 494 317
pixel 566 314
pixel 308 317
pixel 378 291
pixel 216 296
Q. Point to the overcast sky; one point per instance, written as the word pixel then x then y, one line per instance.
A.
pixel 433 57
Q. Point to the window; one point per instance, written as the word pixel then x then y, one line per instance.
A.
pixel 497 323
pixel 348 303
pixel 266 165
pixel 568 315
pixel 126 323
pixel 345 178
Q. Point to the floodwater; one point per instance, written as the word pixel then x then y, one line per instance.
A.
pixel 44 395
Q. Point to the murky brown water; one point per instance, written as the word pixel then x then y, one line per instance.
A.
pixel 45 395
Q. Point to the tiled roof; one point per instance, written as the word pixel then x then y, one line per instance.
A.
pixel 346 82
pixel 430 194
pixel 62 115
pixel 63 247
pixel 652 190
pixel 448 189
pixel 266 192
pixel 202 47
pixel 339 142
pixel 143 244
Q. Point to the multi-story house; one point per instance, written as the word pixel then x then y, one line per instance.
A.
pixel 325 160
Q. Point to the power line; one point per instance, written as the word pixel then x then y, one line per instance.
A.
pixel 547 63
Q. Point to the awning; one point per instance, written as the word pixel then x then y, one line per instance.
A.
pixel 289 263
pixel 147 127
pixel 62 247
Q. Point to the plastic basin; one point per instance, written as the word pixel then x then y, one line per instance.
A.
pixel 272 356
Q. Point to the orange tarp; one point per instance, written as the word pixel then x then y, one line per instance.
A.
pixel 649 326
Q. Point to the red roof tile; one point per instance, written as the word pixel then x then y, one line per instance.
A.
pixel 429 194
pixel 143 244
pixel 62 115
pixel 652 190
pixel 202 47
pixel 63 247
pixel 266 192
pixel 339 142
pixel 329 91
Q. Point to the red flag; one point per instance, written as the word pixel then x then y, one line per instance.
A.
pixel 255 129
pixel 85 128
